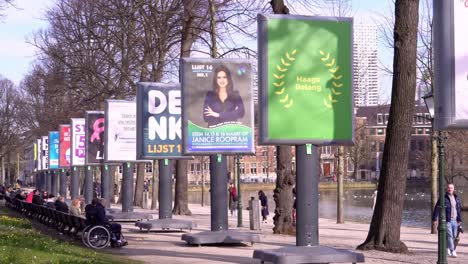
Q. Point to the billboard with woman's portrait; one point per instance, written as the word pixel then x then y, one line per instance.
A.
pixel 217 106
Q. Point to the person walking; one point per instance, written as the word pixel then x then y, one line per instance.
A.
pixel 453 217
pixel 264 204
pixel 232 198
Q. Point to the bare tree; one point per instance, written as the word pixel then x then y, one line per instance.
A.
pixel 359 153
pixel 384 231
pixel 4 4
pixel 10 107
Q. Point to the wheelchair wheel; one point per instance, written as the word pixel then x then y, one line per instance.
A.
pixel 85 234
pixel 98 237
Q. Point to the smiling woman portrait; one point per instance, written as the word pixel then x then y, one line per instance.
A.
pixel 222 104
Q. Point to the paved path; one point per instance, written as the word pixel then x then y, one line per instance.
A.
pixel 167 247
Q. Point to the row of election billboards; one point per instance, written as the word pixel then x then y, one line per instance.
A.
pixel 305 96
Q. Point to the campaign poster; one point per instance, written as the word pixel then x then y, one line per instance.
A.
pixel 120 124
pixel 217 106
pixel 305 80
pixel 39 154
pixel 53 149
pixel 78 142
pixel 159 131
pixel 45 152
pixel 94 124
pixel 64 146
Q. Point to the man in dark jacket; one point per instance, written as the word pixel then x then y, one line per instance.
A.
pixel 453 217
pixel 60 205
pixel 115 228
pixel 91 212
pixel 37 198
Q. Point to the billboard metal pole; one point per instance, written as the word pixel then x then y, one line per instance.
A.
pixel 127 188
pixel 88 184
pixel 105 184
pixel 307 196
pixel 42 181
pixel 74 183
pixel 48 182
pixel 165 188
pixel 218 192
pixel 53 182
pixel 63 183
pixel 239 194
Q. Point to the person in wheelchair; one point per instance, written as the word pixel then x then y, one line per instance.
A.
pixel 96 215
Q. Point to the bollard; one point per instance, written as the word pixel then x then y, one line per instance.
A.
pixel 254 213
pixel 145 200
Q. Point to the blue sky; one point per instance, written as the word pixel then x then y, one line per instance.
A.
pixel 16 55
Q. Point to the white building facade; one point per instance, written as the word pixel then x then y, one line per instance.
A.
pixel 366 72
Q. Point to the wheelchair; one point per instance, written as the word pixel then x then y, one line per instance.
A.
pixel 100 236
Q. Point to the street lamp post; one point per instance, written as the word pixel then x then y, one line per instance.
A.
pixel 442 227
pixel 239 195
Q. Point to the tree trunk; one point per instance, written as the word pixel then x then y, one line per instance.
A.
pixel 434 172
pixel 384 231
pixel 355 172
pixel 154 191
pixel 181 189
pixel 283 194
pixel 188 37
pixel 139 185
pixel 339 186
pixel 285 180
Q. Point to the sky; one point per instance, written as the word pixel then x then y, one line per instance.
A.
pixel 16 55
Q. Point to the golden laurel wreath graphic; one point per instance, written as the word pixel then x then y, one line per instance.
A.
pixel 336 82
pixel 279 82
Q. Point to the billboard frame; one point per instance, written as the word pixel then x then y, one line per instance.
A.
pixel 106 132
pixel 184 112
pixel 60 152
pixel 140 111
pixel 87 163
pixel 50 152
pixel 445 85
pixel 262 42
pixel 72 135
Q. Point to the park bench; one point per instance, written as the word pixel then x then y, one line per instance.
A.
pixel 94 236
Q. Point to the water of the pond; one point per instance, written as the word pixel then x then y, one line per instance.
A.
pixel 357 205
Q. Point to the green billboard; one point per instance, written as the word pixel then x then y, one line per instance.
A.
pixel 305 80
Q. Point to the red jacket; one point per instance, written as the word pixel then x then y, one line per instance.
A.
pixel 233 192
pixel 29 198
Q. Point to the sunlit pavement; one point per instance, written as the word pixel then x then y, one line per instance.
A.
pixel 167 247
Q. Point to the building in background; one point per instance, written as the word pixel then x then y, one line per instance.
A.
pixel 365 62
pixel 374 121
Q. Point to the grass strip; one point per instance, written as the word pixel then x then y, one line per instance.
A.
pixel 20 243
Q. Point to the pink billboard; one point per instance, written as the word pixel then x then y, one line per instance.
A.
pixel 64 146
